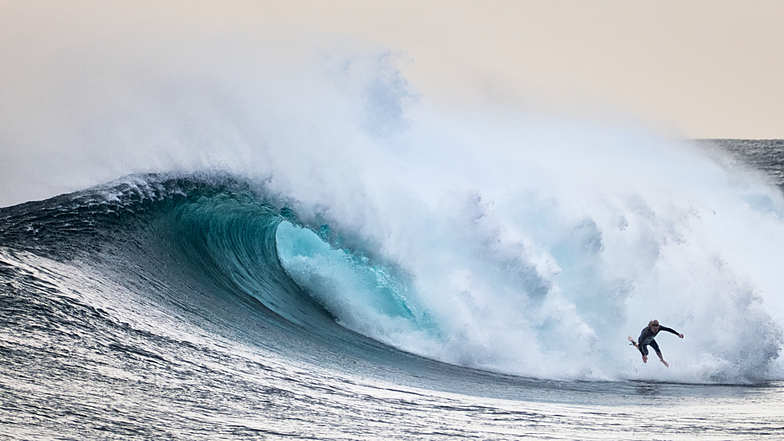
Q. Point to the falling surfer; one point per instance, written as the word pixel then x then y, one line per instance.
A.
pixel 646 338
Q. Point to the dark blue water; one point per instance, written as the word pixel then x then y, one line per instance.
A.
pixel 157 307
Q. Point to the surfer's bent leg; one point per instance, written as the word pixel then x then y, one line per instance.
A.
pixel 655 347
pixel 643 347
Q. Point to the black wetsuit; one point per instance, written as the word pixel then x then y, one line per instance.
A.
pixel 646 338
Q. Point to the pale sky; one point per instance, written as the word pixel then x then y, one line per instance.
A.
pixel 704 68
pixel 699 68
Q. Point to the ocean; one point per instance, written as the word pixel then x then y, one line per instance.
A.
pixel 210 305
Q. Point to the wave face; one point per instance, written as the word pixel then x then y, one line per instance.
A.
pixel 522 285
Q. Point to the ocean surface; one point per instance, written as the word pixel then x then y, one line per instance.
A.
pixel 209 305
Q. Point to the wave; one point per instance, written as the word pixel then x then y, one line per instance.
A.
pixel 536 291
pixel 321 185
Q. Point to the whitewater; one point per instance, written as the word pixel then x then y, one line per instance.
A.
pixel 309 248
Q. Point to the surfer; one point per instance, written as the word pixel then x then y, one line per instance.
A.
pixel 646 338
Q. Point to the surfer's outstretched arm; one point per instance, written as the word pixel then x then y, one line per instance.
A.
pixel 670 330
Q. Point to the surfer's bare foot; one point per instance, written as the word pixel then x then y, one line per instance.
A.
pixel 665 363
pixel 644 358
